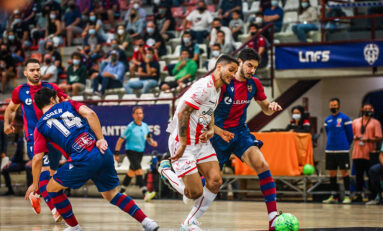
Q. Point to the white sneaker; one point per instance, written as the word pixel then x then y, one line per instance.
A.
pixel 149 196
pixel 4 161
pixel 194 226
pixel 73 228
pixel 149 224
pixel 56 215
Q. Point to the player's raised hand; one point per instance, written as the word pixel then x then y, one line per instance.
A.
pixel 9 129
pixel 226 135
pixel 274 106
pixel 204 137
pixel 180 151
pixel 102 145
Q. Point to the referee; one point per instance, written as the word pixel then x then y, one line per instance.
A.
pixel 136 134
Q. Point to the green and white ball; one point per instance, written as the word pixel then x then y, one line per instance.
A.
pixel 286 222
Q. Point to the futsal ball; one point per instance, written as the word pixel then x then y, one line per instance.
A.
pixel 308 169
pixel 286 222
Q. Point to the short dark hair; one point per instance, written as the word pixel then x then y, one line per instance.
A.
pixel 217 45
pixel 31 61
pixel 226 59
pixel 221 31
pixel 186 32
pixel 75 54
pixel 249 54
pixel 253 25
pixel 43 97
pixel 367 103
pixel 136 108
pixel 150 49
pixel 237 12
pixel 217 19
pixel 335 99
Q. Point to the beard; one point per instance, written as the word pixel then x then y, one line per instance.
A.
pixel 244 75
pixel 33 80
pixel 223 79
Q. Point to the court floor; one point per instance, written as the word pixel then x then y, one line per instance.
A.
pixel 97 214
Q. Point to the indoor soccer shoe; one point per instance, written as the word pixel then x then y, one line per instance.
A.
pixel 272 222
pixel 34 198
pixel 150 225
pixel 346 200
pixel 165 164
pixel 73 228
pixel 56 215
pixel 149 196
pixel 330 200
pixel 194 226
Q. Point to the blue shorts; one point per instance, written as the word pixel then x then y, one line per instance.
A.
pixel 96 167
pixel 242 141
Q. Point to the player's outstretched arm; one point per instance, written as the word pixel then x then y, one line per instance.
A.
pixel 269 108
pixel 37 163
pixel 183 123
pixel 95 125
pixel 9 116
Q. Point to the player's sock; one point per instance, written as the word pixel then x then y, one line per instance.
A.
pixel 140 183
pixel 174 180
pixel 128 205
pixel 333 186
pixel 125 183
pixel 63 206
pixel 43 181
pixel 269 192
pixel 200 205
pixel 346 182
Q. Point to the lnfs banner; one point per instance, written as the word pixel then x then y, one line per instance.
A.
pixel 114 120
pixel 361 54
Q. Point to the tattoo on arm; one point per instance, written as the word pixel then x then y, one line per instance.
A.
pixel 183 122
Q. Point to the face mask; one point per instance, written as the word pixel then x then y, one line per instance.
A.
pixel 367 113
pixel 157 2
pixel 92 31
pixel 258 20
pixel 201 9
pixel 186 40
pixel 52 16
pixel 136 6
pixel 185 59
pixel 253 33
pixel 334 110
pixel 217 28
pixel 92 18
pixel 84 18
pixel 304 4
pixel 296 116
pixel 76 61
pixel 11 37
pixel 48 61
pixel 150 30
pixel 113 58
pixel 161 11
pixel 17 21
pixel 215 53
pixel 133 15
pixel 50 48
pixel 87 51
pixel 72 7
pixel 120 32
pixel 149 57
pixel 274 3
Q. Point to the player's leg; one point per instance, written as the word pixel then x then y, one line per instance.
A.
pixel 140 173
pixel 131 172
pixel 344 166
pixel 332 166
pixel 107 182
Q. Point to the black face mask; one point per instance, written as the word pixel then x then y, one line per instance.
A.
pixel 133 15
pixel 218 28
pixel 253 33
pixel 72 7
pixel 334 110
pixel 48 61
pixel 87 51
pixel 367 113
pixel 201 9
pixel 50 48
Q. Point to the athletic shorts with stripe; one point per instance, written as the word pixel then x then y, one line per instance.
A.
pixel 193 155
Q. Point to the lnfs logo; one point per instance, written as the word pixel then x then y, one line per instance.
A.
pixel 314 56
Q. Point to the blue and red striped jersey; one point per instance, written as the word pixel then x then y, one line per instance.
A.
pixel 234 100
pixel 67 131
pixel 24 95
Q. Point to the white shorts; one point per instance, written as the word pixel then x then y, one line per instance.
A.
pixel 193 155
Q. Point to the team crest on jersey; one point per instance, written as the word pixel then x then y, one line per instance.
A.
pixel 27 92
pixel 338 122
pixel 28 101
pixel 250 88
pixel 84 141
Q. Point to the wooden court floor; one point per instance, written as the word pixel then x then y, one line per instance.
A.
pixel 97 214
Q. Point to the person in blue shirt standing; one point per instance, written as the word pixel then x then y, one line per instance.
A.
pixel 136 135
pixel 339 138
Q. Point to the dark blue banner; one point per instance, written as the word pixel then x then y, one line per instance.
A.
pixel 362 54
pixel 114 120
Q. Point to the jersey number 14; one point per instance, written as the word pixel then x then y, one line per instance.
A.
pixel 69 121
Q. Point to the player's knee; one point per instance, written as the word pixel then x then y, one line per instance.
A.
pixel 214 183
pixel 193 193
pixel 261 166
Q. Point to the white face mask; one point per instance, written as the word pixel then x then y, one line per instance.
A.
pixel 215 53
pixel 258 20
pixel 136 6
pixel 120 32
pixel 296 116
pixel 52 16
pixel 186 40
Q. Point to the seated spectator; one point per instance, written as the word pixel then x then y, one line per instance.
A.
pixel 274 14
pixel 53 29
pixel 149 73
pixel 200 19
pixel 376 173
pixel 48 70
pixel 299 122
pixel 190 46
pixel 108 9
pixel 124 41
pixel 331 26
pixel 112 75
pixel 138 57
pixel 184 72
pixel 76 76
pixel 154 39
pixel 89 61
pixel 73 25
pixel 15 47
pixel 41 25
pixel 226 48
pixel 98 26
pixel 19 28
pixel 93 40
pixel 226 8
pixel 165 22
pixel 53 5
pixel 17 164
pixel 236 25
pixel 307 16
pixel 215 53
pixel 121 53
pixel 259 44
pixel 217 26
pixel 7 67
pixel 51 49
pixel 136 4
pixel 134 24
